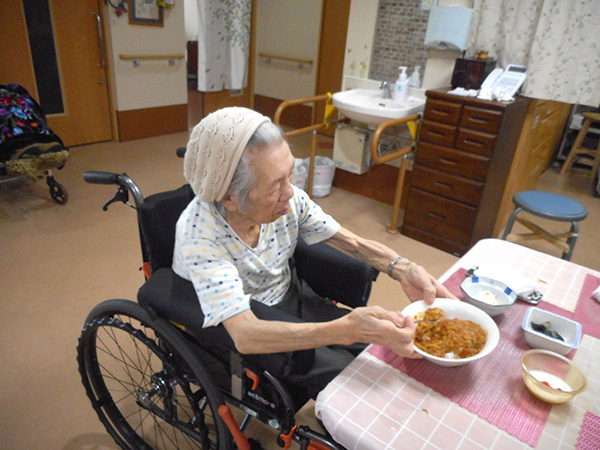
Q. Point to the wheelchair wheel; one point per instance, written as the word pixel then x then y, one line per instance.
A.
pixel 149 388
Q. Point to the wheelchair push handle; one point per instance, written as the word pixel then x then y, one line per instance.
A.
pixel 125 186
pixel 94 177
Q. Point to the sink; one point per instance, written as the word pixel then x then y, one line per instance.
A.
pixel 369 106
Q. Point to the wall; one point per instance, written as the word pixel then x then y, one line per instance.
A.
pixel 153 83
pixel 287 28
pixel 190 8
pixel 398 41
pixel 151 99
pixel 360 38
pixel 440 63
pixel 401 27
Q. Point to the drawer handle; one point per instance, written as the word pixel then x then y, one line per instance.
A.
pixel 472 142
pixel 479 119
pixel 436 215
pixel 436 132
pixel 442 184
pixel 440 112
pixel 451 162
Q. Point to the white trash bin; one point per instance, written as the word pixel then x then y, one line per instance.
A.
pixel 300 174
pixel 323 176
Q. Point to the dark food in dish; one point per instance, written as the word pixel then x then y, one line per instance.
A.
pixel 546 328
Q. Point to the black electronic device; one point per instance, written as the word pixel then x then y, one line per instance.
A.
pixel 469 73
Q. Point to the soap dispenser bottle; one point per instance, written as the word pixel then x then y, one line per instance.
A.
pixel 415 78
pixel 401 92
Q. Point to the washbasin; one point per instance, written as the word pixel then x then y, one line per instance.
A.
pixel 369 106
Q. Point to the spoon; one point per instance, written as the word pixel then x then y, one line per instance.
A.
pixel 437 319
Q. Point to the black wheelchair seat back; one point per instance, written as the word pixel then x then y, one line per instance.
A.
pixel 158 217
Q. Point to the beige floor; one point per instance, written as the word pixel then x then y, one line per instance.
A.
pixel 60 261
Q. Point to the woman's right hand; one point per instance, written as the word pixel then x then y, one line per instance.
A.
pixel 376 325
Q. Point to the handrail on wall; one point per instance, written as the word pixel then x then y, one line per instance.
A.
pixel 412 121
pixel 270 56
pixel 136 58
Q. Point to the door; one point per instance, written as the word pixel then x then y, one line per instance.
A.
pixel 332 49
pixel 55 50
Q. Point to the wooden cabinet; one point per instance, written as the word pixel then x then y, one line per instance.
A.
pixel 463 161
pixel 472 157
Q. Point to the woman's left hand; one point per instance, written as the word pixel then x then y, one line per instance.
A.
pixel 418 284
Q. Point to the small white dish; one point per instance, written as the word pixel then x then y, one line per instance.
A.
pixel 491 296
pixel 460 310
pixel 569 330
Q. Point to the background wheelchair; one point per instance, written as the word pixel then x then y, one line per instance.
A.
pixel 158 380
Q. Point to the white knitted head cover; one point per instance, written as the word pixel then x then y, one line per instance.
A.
pixel 215 147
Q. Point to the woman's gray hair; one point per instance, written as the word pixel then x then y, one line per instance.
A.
pixel 265 136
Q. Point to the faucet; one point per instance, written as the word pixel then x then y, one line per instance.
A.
pixel 387 93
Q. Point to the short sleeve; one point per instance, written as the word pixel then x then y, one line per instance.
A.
pixel 314 224
pixel 216 281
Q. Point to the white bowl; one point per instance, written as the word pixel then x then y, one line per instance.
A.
pixel 500 296
pixel 460 310
pixel 567 328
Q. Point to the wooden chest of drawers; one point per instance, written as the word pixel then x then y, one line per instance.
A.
pixel 464 156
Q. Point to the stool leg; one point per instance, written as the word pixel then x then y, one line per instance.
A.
pixel 511 222
pixel 596 161
pixel 578 141
pixel 571 241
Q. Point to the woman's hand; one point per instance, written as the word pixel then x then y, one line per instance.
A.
pixel 376 325
pixel 420 285
pixel 415 280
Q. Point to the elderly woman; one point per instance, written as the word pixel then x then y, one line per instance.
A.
pixel 235 239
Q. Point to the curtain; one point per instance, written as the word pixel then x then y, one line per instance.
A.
pixel 223 42
pixel 557 40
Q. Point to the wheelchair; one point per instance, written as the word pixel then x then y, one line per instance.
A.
pixel 158 380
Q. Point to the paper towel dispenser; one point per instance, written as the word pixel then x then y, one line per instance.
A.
pixel 448 27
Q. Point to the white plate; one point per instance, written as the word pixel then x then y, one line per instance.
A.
pixel 460 310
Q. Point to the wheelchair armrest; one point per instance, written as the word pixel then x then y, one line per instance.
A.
pixel 333 274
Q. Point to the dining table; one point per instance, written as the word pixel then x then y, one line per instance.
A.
pixel 383 401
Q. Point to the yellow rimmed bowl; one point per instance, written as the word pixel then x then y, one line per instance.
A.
pixel 551 377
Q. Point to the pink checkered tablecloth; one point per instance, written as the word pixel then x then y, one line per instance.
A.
pixel 378 402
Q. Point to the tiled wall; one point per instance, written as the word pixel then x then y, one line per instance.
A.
pixel 399 36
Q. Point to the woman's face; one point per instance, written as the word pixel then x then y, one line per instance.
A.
pixel 270 195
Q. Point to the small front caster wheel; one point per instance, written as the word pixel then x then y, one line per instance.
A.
pixel 58 192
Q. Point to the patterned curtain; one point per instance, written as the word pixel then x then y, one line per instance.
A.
pixel 558 41
pixel 223 41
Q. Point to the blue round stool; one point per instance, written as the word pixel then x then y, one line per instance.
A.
pixel 548 206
